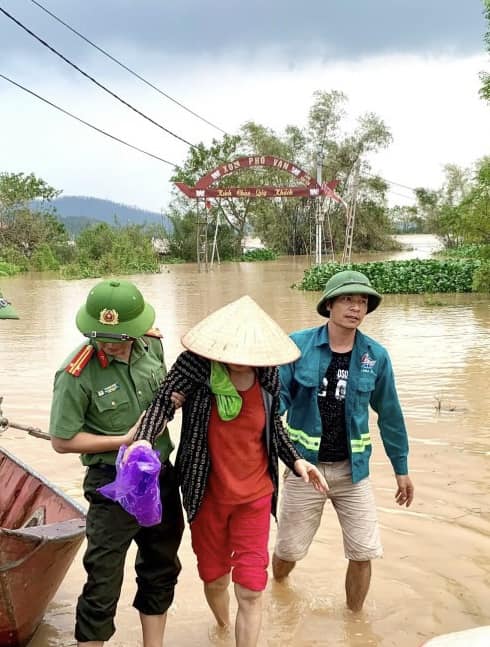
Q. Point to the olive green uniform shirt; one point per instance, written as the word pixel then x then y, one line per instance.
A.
pixel 108 401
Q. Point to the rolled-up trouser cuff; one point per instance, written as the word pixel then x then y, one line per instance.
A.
pixel 150 607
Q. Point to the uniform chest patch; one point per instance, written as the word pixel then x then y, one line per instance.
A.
pixel 367 363
pixel 108 389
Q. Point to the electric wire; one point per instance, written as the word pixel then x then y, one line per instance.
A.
pixel 88 76
pixel 126 67
pixel 401 195
pixel 86 123
pixel 91 78
pixel 404 186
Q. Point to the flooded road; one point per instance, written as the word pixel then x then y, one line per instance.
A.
pixel 435 576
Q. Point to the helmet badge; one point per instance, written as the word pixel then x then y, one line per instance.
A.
pixel 109 317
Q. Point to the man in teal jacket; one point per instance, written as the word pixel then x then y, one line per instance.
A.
pixel 327 393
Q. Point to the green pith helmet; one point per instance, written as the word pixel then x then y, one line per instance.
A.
pixel 348 282
pixel 115 311
pixel 6 309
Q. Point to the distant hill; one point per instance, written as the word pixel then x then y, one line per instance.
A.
pixel 78 212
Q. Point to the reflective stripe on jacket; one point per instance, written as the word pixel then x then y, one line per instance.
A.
pixel 371 382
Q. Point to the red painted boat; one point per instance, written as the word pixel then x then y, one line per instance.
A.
pixel 41 530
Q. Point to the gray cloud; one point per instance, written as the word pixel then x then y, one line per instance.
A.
pixel 329 29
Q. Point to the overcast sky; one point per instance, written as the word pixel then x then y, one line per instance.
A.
pixel 413 62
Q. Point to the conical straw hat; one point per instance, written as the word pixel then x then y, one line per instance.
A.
pixel 241 333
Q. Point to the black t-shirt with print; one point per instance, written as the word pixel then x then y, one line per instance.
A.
pixel 331 403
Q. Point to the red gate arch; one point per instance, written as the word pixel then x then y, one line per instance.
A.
pixel 309 189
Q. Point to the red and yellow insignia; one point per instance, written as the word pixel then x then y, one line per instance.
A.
pixel 82 358
pixel 80 361
pixel 109 317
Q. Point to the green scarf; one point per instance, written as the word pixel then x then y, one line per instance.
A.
pixel 228 399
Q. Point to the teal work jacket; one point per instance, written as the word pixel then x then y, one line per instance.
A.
pixel 370 382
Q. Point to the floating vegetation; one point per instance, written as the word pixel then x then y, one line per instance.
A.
pixel 416 276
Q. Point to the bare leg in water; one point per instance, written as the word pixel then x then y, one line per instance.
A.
pixel 357 580
pixel 249 616
pixel 281 568
pixel 218 598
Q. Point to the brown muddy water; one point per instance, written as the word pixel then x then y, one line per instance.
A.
pixel 435 575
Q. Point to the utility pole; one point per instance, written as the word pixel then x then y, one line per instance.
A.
pixel 215 249
pixel 318 209
pixel 202 237
pixel 351 216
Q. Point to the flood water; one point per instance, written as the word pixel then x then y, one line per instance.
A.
pixel 435 575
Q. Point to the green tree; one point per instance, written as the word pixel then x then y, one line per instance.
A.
pixel 96 241
pixel 28 222
pixel 342 153
pixel 459 212
pixel 286 224
pixel 17 190
pixel 406 219
pixel 485 76
pixel 102 250
pixel 475 206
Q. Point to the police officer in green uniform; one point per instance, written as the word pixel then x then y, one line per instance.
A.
pixel 7 310
pixel 99 394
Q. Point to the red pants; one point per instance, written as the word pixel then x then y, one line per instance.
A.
pixel 233 538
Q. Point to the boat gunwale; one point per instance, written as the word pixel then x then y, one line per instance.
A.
pixel 82 512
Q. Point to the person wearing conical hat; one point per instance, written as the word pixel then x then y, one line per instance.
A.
pixel 7 310
pixel 327 393
pixel 227 461
pixel 99 394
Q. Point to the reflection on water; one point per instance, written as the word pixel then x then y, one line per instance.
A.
pixel 435 574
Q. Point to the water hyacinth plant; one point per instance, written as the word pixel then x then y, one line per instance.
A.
pixel 402 277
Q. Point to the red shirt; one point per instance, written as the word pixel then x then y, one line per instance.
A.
pixel 239 462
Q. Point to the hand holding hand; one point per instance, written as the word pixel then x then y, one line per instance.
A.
pixel 127 439
pixel 310 474
pixel 178 399
pixel 405 491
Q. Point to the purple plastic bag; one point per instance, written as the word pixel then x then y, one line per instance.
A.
pixel 136 486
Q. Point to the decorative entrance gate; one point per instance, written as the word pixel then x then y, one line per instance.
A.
pixel 204 190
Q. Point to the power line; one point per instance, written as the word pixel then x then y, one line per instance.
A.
pixel 404 186
pixel 86 123
pixel 100 85
pixel 125 67
pixel 401 195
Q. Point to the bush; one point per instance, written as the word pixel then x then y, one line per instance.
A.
pixel 102 251
pixel 481 278
pixel 259 255
pixel 468 251
pixel 43 259
pixel 8 269
pixel 13 257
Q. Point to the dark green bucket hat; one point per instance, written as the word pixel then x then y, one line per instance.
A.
pixel 348 282
pixel 115 311
pixel 6 309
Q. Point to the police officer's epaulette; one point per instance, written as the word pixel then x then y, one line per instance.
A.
pixel 80 360
pixel 154 332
